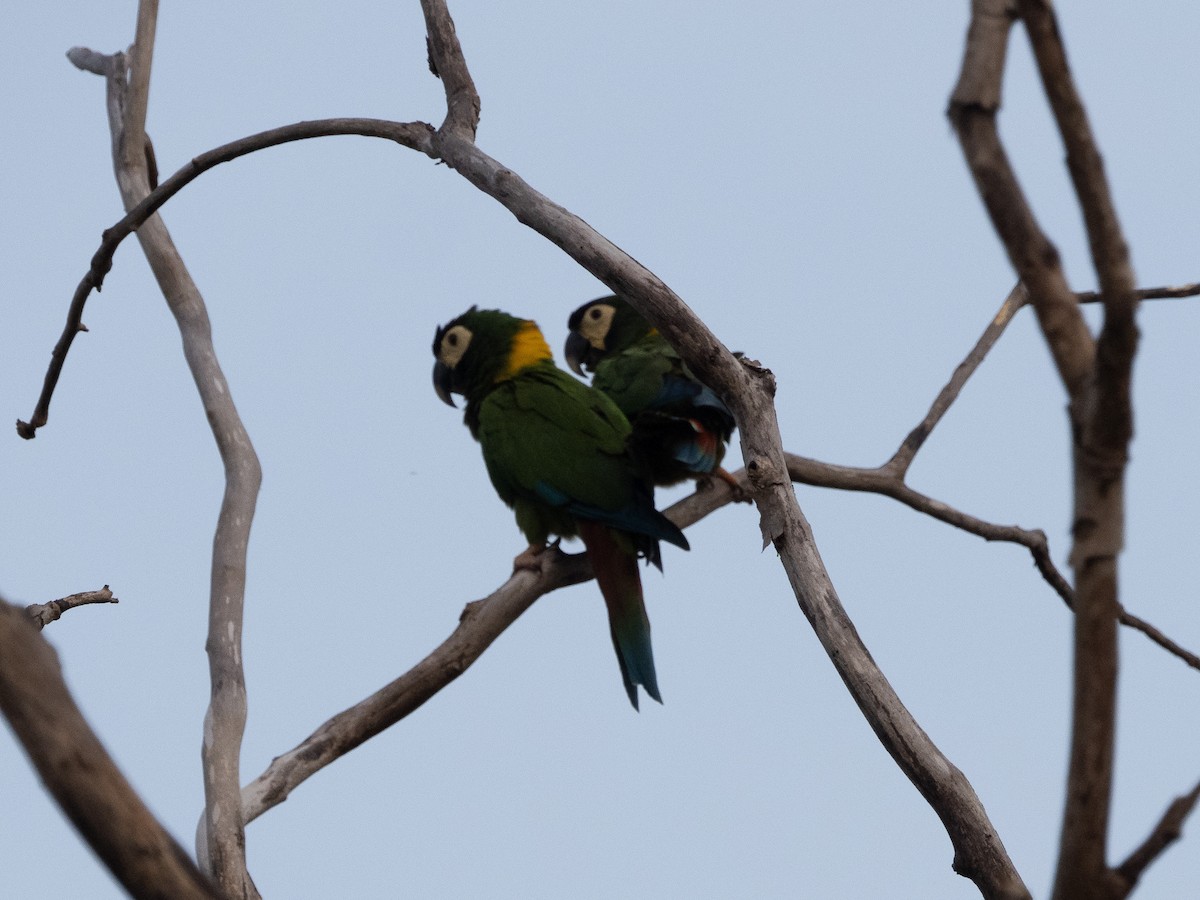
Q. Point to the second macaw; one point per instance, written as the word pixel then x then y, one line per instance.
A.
pixel 555 450
pixel 680 426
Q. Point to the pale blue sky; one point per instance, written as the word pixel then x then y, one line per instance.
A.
pixel 788 170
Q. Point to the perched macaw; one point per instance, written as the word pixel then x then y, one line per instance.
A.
pixel 555 450
pixel 680 427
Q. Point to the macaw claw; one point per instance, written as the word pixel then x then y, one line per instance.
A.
pixel 531 558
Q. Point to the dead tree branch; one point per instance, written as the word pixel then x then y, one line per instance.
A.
pixel 79 773
pixel 42 614
pixel 483 621
pixel 1165 833
pixel 225 851
pixel 414 135
pixel 1096 375
pixel 749 392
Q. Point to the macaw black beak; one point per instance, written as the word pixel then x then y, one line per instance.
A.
pixel 443 377
pixel 577 351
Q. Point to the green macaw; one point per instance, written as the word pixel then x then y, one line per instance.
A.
pixel 555 450
pixel 680 426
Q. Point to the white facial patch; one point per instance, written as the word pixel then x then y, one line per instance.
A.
pixel 454 345
pixel 596 322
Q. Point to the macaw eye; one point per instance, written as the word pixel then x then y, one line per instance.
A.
pixel 454 345
pixel 594 313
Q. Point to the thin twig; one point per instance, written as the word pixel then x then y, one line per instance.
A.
pixel 1128 619
pixel 903 457
pixel 42 614
pixel 1166 832
pixel 1155 293
pixel 1017 298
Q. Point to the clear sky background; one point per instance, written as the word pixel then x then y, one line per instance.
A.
pixel 789 171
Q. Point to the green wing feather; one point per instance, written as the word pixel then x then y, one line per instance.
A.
pixel 633 378
pixel 543 429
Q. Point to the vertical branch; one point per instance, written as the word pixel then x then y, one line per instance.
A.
pixel 225 720
pixel 1097 379
pixel 462 100
pixel 1103 432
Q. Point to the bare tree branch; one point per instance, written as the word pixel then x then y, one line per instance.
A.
pixel 1101 457
pixel 1154 293
pixel 42 614
pixel 1017 298
pixel 903 457
pixel 979 853
pixel 483 621
pixel 748 390
pixel 225 851
pixel 80 774
pixel 414 135
pixel 1097 380
pixel 1165 833
pixel 1127 618
pixel 973 108
pixel 447 62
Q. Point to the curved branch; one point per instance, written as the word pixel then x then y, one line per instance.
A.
pixel 413 134
pixel 81 776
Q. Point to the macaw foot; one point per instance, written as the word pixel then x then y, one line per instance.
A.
pixel 530 559
pixel 739 492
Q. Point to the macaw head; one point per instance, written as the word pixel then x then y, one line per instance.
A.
pixel 600 327
pixel 481 348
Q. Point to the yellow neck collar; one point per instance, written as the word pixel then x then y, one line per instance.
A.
pixel 528 348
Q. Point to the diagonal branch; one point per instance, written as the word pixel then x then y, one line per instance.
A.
pixel 748 391
pixel 483 621
pixel 903 457
pixel 1017 298
pixel 1168 830
pixel 42 614
pixel 83 779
